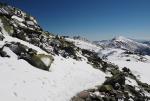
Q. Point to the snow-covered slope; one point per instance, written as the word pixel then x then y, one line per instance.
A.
pixel 138 64
pixel 21 40
pixel 19 81
pixel 85 44
pixel 134 67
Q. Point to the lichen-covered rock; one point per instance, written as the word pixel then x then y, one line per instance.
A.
pixel 105 88
pixel 41 61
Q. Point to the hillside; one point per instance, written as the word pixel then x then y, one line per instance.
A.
pixel 39 66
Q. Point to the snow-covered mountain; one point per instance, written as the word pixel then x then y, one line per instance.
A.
pixel 123 58
pixel 39 66
pixel 127 44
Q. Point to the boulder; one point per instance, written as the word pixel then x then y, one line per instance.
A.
pixel 84 94
pixel 41 61
pixel 18 48
pixel 3 53
pixel 117 78
pixel 105 88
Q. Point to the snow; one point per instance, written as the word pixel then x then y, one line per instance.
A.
pixel 139 68
pixel 22 82
pixel 130 81
pixel 85 45
pixel 30 22
pixel 17 18
pixel 3 11
pixel 21 24
pixel 122 39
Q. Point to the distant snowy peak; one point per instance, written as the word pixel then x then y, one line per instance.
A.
pixel 122 39
pixel 126 44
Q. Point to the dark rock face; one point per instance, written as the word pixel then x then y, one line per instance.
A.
pixel 3 53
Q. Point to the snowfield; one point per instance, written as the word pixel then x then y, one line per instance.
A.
pixel 22 82
pixel 85 45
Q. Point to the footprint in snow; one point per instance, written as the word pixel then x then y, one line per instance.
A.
pixel 15 94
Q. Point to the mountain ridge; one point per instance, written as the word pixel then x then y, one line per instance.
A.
pixel 127 44
pixel 37 65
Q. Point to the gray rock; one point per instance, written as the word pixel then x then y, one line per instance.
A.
pixel 84 94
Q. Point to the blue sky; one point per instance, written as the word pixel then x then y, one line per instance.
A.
pixel 94 19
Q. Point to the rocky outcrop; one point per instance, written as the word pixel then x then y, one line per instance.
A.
pixel 40 61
